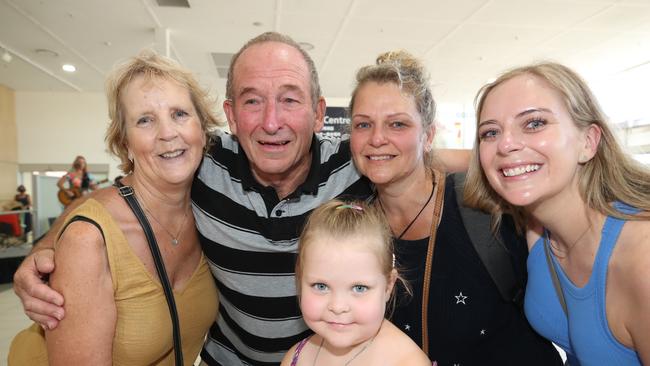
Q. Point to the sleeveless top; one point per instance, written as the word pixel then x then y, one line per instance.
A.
pixel 585 335
pixel 143 332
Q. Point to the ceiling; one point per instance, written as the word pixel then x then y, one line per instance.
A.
pixel 463 42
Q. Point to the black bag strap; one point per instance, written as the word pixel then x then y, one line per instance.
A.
pixel 551 268
pixel 129 196
pixel 490 249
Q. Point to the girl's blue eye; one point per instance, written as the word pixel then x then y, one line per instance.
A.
pixel 359 289
pixel 488 134
pixel 319 286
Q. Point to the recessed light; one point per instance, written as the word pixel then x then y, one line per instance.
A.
pixel 69 68
pixel 257 24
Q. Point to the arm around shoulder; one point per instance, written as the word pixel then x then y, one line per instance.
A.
pixel 83 277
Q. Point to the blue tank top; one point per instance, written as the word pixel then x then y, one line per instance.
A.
pixel 585 336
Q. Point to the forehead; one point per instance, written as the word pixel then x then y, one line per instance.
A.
pixel 148 89
pixel 270 62
pixel 374 92
pixel 520 93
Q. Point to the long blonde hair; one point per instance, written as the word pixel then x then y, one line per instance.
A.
pixel 611 175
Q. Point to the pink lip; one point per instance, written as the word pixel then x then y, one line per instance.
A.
pixel 338 326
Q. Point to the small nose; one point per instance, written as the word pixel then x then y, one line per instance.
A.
pixel 338 304
pixel 510 141
pixel 270 122
pixel 378 137
pixel 167 129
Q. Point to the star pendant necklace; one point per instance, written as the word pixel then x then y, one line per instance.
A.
pixel 175 238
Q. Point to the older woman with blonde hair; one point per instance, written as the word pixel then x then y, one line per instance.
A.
pixel 545 153
pixel 116 310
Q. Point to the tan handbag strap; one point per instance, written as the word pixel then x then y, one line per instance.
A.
pixel 439 179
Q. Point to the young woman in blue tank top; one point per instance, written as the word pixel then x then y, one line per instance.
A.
pixel 545 153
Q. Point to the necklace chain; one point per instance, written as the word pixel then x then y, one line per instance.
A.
pixel 433 188
pixel 566 252
pixel 353 357
pixel 174 240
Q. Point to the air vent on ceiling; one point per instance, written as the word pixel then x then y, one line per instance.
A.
pixel 222 63
pixel 174 3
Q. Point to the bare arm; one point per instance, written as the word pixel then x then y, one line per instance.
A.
pixel 61 182
pixel 454 160
pixel 42 304
pixel 85 336
pixel 288 357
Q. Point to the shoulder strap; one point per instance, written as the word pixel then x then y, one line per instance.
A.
pixel 439 192
pixel 551 269
pixel 490 249
pixel 128 194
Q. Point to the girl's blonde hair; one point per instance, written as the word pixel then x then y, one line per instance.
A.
pixel 343 219
pixel 611 175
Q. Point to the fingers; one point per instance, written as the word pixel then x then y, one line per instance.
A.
pixel 41 303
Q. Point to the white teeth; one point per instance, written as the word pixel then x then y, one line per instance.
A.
pixel 520 170
pixel 172 154
pixel 382 157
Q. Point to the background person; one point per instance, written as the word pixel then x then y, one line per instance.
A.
pixel 76 182
pixel 25 201
pixel 468 322
pixel 545 153
pixel 345 277
pixel 115 310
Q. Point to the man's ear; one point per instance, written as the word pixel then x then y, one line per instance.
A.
pixel 592 137
pixel 320 115
pixel 230 115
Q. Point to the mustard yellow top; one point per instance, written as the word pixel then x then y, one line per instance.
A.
pixel 143 332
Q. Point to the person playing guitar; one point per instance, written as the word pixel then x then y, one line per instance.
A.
pixel 78 182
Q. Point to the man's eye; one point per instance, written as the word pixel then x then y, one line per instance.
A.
pixel 144 120
pixel 180 114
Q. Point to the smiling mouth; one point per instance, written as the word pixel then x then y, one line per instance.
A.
pixel 172 154
pixel 380 157
pixel 513 172
pixel 279 143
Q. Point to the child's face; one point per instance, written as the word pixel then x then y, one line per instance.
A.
pixel 343 290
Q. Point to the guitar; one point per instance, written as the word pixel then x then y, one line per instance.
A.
pixel 66 196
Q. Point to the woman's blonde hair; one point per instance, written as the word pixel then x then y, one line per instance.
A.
pixel 611 175
pixel 151 66
pixel 342 219
pixel 408 73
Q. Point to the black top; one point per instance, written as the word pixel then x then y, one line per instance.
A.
pixel 469 322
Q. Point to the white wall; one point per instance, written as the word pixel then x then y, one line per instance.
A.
pixel 53 128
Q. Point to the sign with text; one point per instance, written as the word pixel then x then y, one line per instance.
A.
pixel 337 123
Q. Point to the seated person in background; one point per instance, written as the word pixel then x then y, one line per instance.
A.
pixel 115 310
pixel 26 204
pixel 345 276
pixel 544 152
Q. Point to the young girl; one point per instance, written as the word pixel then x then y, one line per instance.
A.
pixel 345 276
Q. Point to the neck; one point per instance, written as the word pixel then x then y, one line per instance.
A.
pixel 570 223
pixel 157 197
pixel 406 196
pixel 285 183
